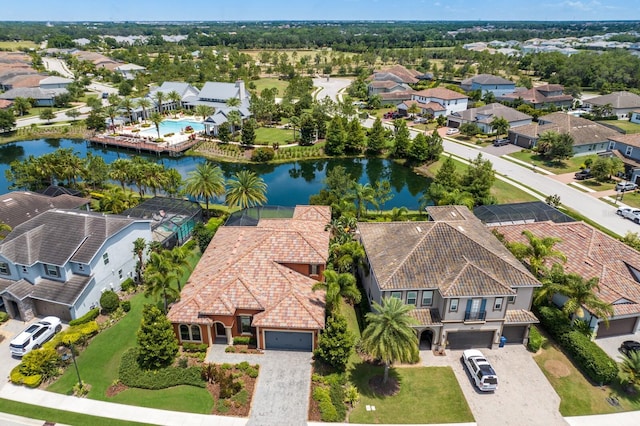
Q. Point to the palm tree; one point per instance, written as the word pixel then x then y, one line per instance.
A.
pixel 398 212
pixel 361 195
pixel 179 257
pixel 206 181
pixel 159 98
pixel 156 119
pixel 21 105
pixel 139 246
pixel 235 119
pixel 294 121
pixel 176 99
pixel 128 104
pixel 336 286
pixel 630 370
pixel 246 189
pixel 233 102
pixel 389 336
pixel 144 103
pixel 4 230
pixel 111 111
pixel 347 257
pixel 500 125
pixel 413 109
pixel 204 111
pixel 158 277
pixel 119 171
pixel 536 252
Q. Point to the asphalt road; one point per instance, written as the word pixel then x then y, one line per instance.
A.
pixel 58 65
pixel 330 87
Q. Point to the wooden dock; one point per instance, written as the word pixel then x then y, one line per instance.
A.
pixel 141 145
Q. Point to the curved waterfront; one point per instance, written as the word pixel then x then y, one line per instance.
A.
pixel 288 184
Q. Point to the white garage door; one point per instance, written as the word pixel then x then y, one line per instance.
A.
pixel 288 340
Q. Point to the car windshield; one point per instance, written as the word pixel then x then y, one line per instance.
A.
pixel 32 328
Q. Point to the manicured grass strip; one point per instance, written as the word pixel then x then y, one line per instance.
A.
pixel 427 395
pixel 265 83
pixel 572 164
pixel 578 397
pixel 625 125
pixel 179 398
pixel 270 135
pixel 58 416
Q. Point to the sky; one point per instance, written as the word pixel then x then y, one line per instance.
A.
pixel 342 10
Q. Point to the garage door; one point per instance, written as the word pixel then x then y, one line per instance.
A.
pixel 617 327
pixel 288 340
pixel 44 309
pixel 470 339
pixel 514 333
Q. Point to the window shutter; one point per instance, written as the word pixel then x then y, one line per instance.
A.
pixel 468 306
pixel 483 305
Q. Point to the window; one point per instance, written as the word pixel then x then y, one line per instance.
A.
pixel 24 269
pixel 4 268
pixel 120 273
pixel 511 299
pixel 628 151
pixel 105 258
pixel 52 270
pixel 497 306
pixel 245 324
pixel 396 294
pixel 412 297
pixel 453 305
pixel 313 269
pixel 80 267
pixel 612 146
pixel 191 333
pixel 427 297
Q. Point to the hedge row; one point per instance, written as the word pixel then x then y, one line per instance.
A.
pixel 589 357
pixel 89 316
pixel 535 340
pixel 132 375
pixel 328 411
pixel 17 378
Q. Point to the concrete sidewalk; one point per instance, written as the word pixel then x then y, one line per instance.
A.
pixel 114 411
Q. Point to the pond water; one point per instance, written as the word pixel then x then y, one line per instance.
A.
pixel 287 184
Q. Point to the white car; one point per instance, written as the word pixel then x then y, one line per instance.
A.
pixel 482 373
pixel 34 336
pixel 629 213
pixel 626 186
pixel 452 131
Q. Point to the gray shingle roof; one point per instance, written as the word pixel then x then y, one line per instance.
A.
pixel 60 292
pixel 487 113
pixel 32 92
pixel 458 257
pixel 486 79
pixel 57 236
pixel 583 131
pixel 218 90
pixel 617 100
pixel 19 206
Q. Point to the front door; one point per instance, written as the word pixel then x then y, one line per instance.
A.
pixel 220 333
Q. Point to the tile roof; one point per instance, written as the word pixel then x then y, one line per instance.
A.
pixel 617 100
pixel 245 267
pixel 426 316
pixel 591 253
pixel 459 257
pixel 404 95
pixel 487 113
pixel 537 95
pixel 441 93
pixel 519 316
pixel 404 74
pixel 5 103
pixel 583 131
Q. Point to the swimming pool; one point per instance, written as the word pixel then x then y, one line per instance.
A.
pixel 172 126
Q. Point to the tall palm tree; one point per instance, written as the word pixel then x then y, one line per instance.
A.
pixel 347 257
pixel 338 285
pixel 176 99
pixel 21 105
pixel 235 119
pixel 397 213
pixel 206 181
pixel 158 277
pixel 389 336
pixel 179 257
pixel 144 103
pixel 500 125
pixel 128 104
pixel 139 246
pixel 246 189
pixel 204 111
pixel 119 171
pixel 156 118
pixel 112 111
pixel 361 195
pixel 159 98
pixel 536 252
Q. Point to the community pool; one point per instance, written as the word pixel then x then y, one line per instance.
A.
pixel 173 126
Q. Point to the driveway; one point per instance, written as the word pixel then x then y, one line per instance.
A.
pixel 281 396
pixel 9 330
pixel 611 344
pixel 524 396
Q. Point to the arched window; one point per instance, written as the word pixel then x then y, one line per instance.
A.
pixel 184 332
pixel 195 333
pixel 190 333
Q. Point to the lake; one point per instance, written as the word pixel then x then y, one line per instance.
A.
pixel 288 184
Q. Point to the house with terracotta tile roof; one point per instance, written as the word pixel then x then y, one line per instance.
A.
pixel 540 96
pixel 450 100
pixel 484 116
pixel 591 253
pixel 256 281
pixel 467 288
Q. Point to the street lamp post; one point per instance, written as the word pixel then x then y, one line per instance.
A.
pixel 72 348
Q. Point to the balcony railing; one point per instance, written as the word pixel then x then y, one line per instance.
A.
pixel 475 316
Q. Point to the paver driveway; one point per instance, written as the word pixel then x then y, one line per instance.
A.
pixel 281 396
pixel 524 396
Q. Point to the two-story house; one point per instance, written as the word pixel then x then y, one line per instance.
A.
pixel 540 96
pixel 622 104
pixel 60 262
pixel 256 281
pixel 448 101
pixel 488 83
pixel 484 116
pixel 627 148
pixel 467 288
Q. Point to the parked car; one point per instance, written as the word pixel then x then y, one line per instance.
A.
pixel 629 346
pixel 452 131
pixel 583 174
pixel 389 114
pixel 501 142
pixel 481 371
pixel 420 120
pixel 626 186
pixel 629 213
pixel 35 336
pixel 105 95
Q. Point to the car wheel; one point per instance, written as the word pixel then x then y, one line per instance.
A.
pixel 36 346
pixel 58 328
pixel 636 220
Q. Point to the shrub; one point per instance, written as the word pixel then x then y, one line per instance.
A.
pixel 262 155
pixel 132 375
pixel 18 378
pixel 126 306
pixel 252 372
pixel 194 347
pixel 241 340
pixel 89 316
pixel 335 344
pixel 243 366
pixel 328 412
pixel 535 340
pixel 42 361
pixel 109 301
pixel 158 346
pixel 230 349
pixel 4 317
pixel 77 334
pixel 128 285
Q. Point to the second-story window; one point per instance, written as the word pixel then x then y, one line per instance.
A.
pixel 497 306
pixel 105 258
pixel 427 297
pixel 52 270
pixel 412 297
pixel 453 305
pixel 313 269
pixel 396 294
pixel 4 268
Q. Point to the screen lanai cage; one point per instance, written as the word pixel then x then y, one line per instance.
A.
pixel 251 215
pixel 518 213
pixel 173 219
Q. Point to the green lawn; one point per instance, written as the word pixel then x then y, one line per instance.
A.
pixel 17 45
pixel 632 199
pixel 265 83
pixel 427 395
pixel 578 397
pixel 598 186
pixel 573 164
pixel 58 416
pixel 105 351
pixel 625 125
pixel 269 135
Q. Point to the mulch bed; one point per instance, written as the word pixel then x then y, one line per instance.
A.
pixel 392 387
pixel 246 349
pixel 113 390
pixel 233 408
pixel 314 408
